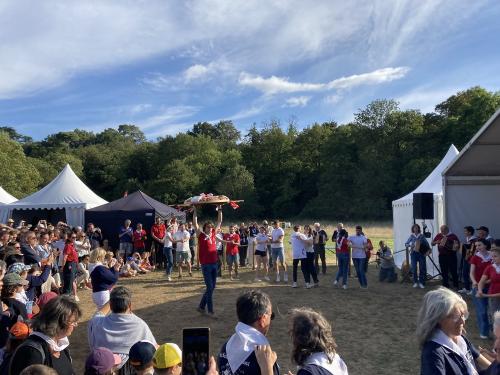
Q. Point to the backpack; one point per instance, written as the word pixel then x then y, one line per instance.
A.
pixel 32 344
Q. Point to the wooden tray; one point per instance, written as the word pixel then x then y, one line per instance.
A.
pixel 201 203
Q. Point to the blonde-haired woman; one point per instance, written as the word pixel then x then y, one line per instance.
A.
pixel 103 276
pixel 314 348
pixel 440 328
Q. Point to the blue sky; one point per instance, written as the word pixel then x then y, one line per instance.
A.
pixel 165 65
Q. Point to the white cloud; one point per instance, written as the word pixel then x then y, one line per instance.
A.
pixel 274 85
pixel 165 116
pixel 297 101
pixel 332 99
pixel 196 72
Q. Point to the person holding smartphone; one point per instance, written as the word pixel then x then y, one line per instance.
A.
pixel 207 254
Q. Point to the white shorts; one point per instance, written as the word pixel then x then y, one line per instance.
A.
pixel 100 298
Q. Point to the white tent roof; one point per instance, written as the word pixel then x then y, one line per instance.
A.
pixel 64 191
pixel 5 197
pixel 434 181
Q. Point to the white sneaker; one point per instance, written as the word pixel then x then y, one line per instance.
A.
pixel 267 278
pixel 308 286
pixel 294 285
pixel 344 286
pixel 285 277
pixel 484 337
pixel 257 279
pixel 335 282
pixel 421 286
pixel 169 278
pixel 415 285
pixel 278 278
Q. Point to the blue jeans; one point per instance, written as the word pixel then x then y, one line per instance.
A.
pixel 343 262
pixel 210 276
pixel 481 305
pixel 169 257
pixel 359 265
pixel 418 258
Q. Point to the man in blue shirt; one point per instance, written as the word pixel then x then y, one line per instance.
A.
pixel 125 235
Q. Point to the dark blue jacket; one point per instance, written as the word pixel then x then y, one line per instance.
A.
pixel 103 278
pixel 36 282
pixel 439 360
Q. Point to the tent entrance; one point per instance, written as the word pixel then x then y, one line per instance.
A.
pixel 33 216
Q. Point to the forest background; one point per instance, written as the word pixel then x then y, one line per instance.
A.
pixel 325 171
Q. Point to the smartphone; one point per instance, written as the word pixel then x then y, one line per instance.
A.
pixel 195 350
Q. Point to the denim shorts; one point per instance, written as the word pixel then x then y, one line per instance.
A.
pixel 232 259
pixel 278 252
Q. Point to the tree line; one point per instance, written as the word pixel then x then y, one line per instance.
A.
pixel 327 170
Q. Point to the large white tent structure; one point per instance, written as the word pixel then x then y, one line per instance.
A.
pixel 402 210
pixel 66 193
pixel 6 198
pixel 472 182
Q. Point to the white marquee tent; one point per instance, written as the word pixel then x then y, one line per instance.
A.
pixel 6 198
pixel 472 182
pixel 65 192
pixel 402 210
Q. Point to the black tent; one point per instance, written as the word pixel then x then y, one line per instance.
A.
pixel 138 207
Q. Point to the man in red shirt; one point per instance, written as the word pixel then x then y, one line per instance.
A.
pixel 232 240
pixel 207 254
pixel 447 244
pixel 158 234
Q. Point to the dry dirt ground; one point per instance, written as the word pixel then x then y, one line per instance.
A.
pixel 373 328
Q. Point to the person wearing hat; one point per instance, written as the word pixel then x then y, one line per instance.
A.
pixel 168 360
pixel 12 284
pixel 17 334
pixel 141 356
pixel 101 361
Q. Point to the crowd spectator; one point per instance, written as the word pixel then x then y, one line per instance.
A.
pixel 126 237
pixel 299 242
pixel 484 233
pixel 168 252
pixel 320 238
pixel 94 236
pixel 13 284
pixel 447 244
pixel 17 334
pixel 278 251
pixel 237 355
pixel 232 241
pixel 82 273
pixel 387 266
pixel 103 277
pixel 141 356
pixel 119 330
pixel 467 251
pixel 261 254
pixel 38 370
pixel 440 329
pixel 69 265
pixel 48 343
pixel 102 361
pixel 358 244
pixel 167 360
pixel 314 348
pixel 183 255
pixel 158 234
pixel 342 251
pixel 28 249
pixel 243 248
pixel 310 257
pixel 491 276
pixel 139 238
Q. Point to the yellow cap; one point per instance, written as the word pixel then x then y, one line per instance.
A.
pixel 167 355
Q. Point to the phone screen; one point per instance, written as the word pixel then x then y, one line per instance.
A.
pixel 195 350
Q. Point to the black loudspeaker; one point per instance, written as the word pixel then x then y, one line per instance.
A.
pixel 423 206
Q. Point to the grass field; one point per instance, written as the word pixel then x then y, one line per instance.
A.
pixel 373 328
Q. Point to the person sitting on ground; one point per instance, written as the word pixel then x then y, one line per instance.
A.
pixel 38 370
pixel 119 330
pixel 145 263
pixel 238 356
pixel 314 348
pixel 141 356
pixel 387 266
pixel 440 329
pixel 48 343
pixel 126 269
pixel 102 361
pixel 135 263
pixel 82 273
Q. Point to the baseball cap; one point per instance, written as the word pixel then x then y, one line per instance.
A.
pixel 100 361
pixel 14 279
pixel 44 298
pixel 167 355
pixel 20 330
pixel 141 353
pixel 482 227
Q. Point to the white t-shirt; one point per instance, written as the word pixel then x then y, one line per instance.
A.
pixel 358 249
pixel 182 246
pixel 261 246
pixel 167 240
pixel 59 245
pixel 275 235
pixel 298 246
pixel 309 246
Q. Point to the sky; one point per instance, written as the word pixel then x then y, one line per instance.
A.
pixel 165 65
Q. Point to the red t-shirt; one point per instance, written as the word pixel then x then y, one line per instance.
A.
pixel 207 248
pixel 494 279
pixel 343 246
pixel 231 248
pixel 158 230
pixel 69 250
pixel 480 266
pixel 138 238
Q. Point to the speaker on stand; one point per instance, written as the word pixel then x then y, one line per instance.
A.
pixel 423 208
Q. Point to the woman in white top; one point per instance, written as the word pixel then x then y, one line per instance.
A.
pixel 299 243
pixel 261 241
pixel 168 251
pixel 82 244
pixel 310 256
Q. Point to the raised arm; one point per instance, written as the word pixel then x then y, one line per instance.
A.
pixel 195 221
pixel 219 217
